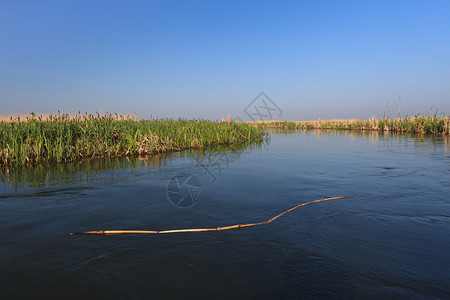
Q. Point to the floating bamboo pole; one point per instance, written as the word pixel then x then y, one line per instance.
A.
pixel 107 232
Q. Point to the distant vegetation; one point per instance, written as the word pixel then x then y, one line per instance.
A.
pixel 64 138
pixel 417 124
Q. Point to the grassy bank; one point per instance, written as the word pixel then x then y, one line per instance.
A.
pixel 418 124
pixel 63 138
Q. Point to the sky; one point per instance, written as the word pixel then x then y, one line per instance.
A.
pixel 205 59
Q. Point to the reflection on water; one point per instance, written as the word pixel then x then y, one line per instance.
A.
pixel 394 139
pixel 212 160
pixel 46 175
pixel 111 169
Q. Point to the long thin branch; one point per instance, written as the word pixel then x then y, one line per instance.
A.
pixel 103 232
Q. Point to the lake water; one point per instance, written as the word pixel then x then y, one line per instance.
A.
pixel 392 240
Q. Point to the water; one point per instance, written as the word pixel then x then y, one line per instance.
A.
pixel 392 240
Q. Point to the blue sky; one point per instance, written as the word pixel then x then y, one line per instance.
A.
pixel 204 59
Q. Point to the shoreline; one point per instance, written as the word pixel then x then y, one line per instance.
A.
pixel 418 124
pixel 64 138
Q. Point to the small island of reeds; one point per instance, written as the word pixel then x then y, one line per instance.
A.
pixel 65 138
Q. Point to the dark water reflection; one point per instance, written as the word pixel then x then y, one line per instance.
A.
pixel 392 240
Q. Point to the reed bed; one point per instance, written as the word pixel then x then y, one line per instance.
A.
pixel 417 124
pixel 64 138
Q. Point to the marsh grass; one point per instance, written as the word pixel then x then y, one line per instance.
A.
pixel 64 138
pixel 418 124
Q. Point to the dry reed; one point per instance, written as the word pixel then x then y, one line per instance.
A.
pixel 237 226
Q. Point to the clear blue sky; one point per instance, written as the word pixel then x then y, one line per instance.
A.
pixel 203 59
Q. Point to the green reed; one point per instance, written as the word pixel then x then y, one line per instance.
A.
pixel 417 124
pixel 63 138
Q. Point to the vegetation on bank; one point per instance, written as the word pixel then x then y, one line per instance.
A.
pixel 63 138
pixel 417 124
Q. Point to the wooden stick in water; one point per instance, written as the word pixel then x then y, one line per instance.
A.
pixel 237 226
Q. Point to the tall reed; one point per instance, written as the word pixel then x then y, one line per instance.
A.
pixel 63 138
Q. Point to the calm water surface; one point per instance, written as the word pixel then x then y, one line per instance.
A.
pixel 392 240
